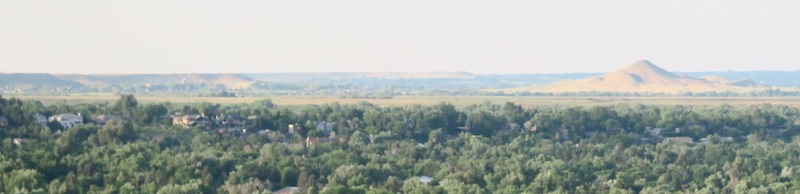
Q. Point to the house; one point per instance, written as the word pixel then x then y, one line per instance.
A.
pixel 40 119
pixel 678 139
pixel 726 139
pixel 265 132
pixel 656 132
pixel 425 180
pixel 352 124
pixel 513 127
pixel 232 131
pixel 3 121
pixel 273 135
pixel 719 139
pixel 251 120
pixel 287 190
pixel 189 120
pixel 105 118
pixel 235 121
pixel 294 128
pixel 68 120
pixel 325 126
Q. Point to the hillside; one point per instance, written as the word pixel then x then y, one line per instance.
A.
pixel 311 76
pixel 641 76
pixel 771 78
pixel 644 76
pixel 229 80
pixel 28 81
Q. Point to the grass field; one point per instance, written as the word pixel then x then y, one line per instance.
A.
pixel 427 100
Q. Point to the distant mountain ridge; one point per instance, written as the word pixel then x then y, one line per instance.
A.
pixel 638 74
pixel 305 76
pixel 229 80
pixel 772 78
pixel 26 81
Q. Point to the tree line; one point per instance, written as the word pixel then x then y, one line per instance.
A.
pixel 481 148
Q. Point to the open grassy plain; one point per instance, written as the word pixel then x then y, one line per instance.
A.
pixel 427 100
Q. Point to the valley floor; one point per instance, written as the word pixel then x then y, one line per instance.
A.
pixel 429 100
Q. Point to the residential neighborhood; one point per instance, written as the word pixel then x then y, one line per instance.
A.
pixel 399 97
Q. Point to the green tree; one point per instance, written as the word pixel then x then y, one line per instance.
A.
pixel 23 181
pixel 116 131
pixel 126 105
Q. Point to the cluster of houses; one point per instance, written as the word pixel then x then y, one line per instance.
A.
pixel 652 135
pixel 236 124
pixel 658 132
pixel 223 121
pixel 223 124
pixel 339 139
pixel 67 120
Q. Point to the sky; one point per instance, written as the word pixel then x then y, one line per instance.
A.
pixel 484 37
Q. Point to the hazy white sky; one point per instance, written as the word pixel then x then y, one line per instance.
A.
pixel 199 36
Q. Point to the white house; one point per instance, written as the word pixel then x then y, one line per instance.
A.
pixel 678 139
pixel 425 180
pixel 68 120
pixel 287 190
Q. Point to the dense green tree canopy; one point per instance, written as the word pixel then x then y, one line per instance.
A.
pixel 365 148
